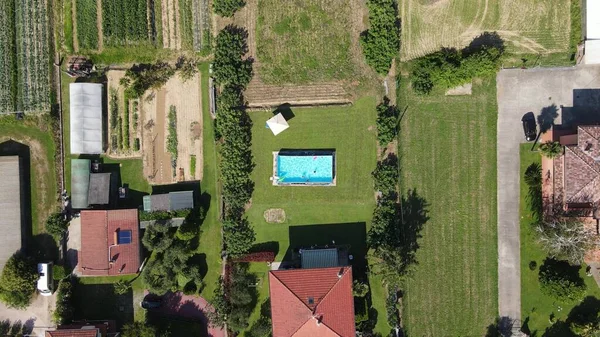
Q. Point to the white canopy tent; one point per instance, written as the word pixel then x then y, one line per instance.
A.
pixel 86 118
pixel 277 124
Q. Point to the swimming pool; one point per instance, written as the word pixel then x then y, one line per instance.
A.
pixel 304 168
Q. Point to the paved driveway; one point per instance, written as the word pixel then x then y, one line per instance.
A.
pixel 543 92
pixel 37 316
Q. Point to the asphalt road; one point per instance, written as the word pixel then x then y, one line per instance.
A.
pixel 554 94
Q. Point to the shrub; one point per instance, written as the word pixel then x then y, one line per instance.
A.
pixel 159 277
pixel 391 309
pixel 172 136
pixel 136 144
pixel 64 303
pixel 227 8
pixel 18 281
pixel 56 225
pixel 533 179
pixel 256 257
pixel 359 289
pixel 387 122
pixel 561 281
pixel 122 287
pixel 381 43
pixel 532 265
pixel 157 238
pixel 238 237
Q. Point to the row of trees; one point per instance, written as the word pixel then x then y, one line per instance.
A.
pixel 449 67
pixel 387 122
pixel 381 42
pixel 235 298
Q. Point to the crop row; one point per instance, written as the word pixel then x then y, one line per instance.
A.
pixel 124 21
pixel 87 23
pixel 24 56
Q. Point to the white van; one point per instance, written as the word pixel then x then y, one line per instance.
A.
pixel 45 283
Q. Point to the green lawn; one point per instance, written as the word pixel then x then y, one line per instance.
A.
pixel 317 215
pixel 536 307
pixel 304 41
pixel 447 151
pixel 34 130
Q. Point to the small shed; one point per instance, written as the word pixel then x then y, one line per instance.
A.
pixel 86 118
pixel 277 124
pixel 172 201
pixel 99 191
pixel 319 258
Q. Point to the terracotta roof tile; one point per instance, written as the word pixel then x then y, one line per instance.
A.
pixel 98 232
pixel 73 333
pixel 331 302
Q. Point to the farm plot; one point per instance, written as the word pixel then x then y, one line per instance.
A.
pixel 261 95
pixel 528 26
pixel 181 103
pixel 125 22
pixel 24 59
pixel 170 17
pixel 304 41
pixel 124 132
pixel 87 24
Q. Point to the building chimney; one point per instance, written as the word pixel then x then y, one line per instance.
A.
pixel 340 273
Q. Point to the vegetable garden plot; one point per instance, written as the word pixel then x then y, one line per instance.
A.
pixel 24 57
pixel 125 22
pixel 87 23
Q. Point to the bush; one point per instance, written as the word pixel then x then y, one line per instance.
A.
pixel 449 68
pixel 561 281
pixel 387 122
pixel 164 215
pixel 172 135
pixel 391 309
pixel 256 257
pixel 359 289
pixel 381 43
pixel 532 265
pixel 136 144
pixel 56 225
pixel 64 303
pixel 18 281
pixel 157 238
pixel 227 8
pixel 122 287
pixel 238 237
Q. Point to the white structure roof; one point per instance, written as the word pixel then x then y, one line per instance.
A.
pixel 592 20
pixel 592 52
pixel 277 124
pixel 10 207
pixel 86 118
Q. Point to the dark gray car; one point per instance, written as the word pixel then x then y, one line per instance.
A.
pixel 529 126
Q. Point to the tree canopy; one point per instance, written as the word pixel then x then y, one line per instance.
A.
pixel 18 281
pixel 56 224
pixel 227 8
pixel 381 42
pixel 387 122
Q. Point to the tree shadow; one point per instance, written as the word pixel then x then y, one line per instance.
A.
pixel 585 312
pixel 559 329
pixel 486 39
pixel 585 109
pixel 413 211
pixel 546 117
pixel 285 110
pixel 43 248
pixel 269 246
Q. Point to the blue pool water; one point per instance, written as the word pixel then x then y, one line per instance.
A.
pixel 305 169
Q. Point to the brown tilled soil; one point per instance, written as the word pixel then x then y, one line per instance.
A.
pixel 170 24
pixel 154 109
pixel 274 215
pixel 74 15
pixel 99 23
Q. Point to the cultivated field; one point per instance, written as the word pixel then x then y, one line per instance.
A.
pixel 529 26
pixel 447 151
pixel 24 56
pixel 124 129
pixel 185 97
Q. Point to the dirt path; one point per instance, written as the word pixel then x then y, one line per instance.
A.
pixel 74 16
pixel 99 24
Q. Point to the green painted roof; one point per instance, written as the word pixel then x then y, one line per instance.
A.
pixel 319 258
pixel 80 182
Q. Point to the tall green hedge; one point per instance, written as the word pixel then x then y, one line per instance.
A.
pixel 381 42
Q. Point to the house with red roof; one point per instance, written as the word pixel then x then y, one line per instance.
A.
pixel 312 302
pixel 84 329
pixel 110 243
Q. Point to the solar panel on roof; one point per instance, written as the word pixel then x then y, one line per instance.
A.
pixel 124 237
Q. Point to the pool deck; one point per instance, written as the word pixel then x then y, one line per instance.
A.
pixel 275 179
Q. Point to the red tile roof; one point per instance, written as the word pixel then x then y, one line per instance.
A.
pixel 330 310
pixel 98 240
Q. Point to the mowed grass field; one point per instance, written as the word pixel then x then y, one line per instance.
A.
pixel 304 41
pixel 317 215
pixel 447 151
pixel 527 26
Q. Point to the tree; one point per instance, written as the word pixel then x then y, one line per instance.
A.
pixel 159 277
pixel 56 224
pixel 387 122
pixel 359 289
pixel 142 77
pixel 186 67
pixel 227 8
pixel 228 66
pixel 560 280
pixel 222 307
pixel 18 281
pixel 239 237
pixel 385 176
pixel 588 329
pixel 551 149
pixel 381 42
pixel 122 287
pixel 565 238
pixel 157 238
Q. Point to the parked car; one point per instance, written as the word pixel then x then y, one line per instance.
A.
pixel 529 126
pixel 151 302
pixel 45 283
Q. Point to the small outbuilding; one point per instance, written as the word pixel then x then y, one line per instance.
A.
pixel 277 124
pixel 86 118
pixel 172 201
pixel 88 188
